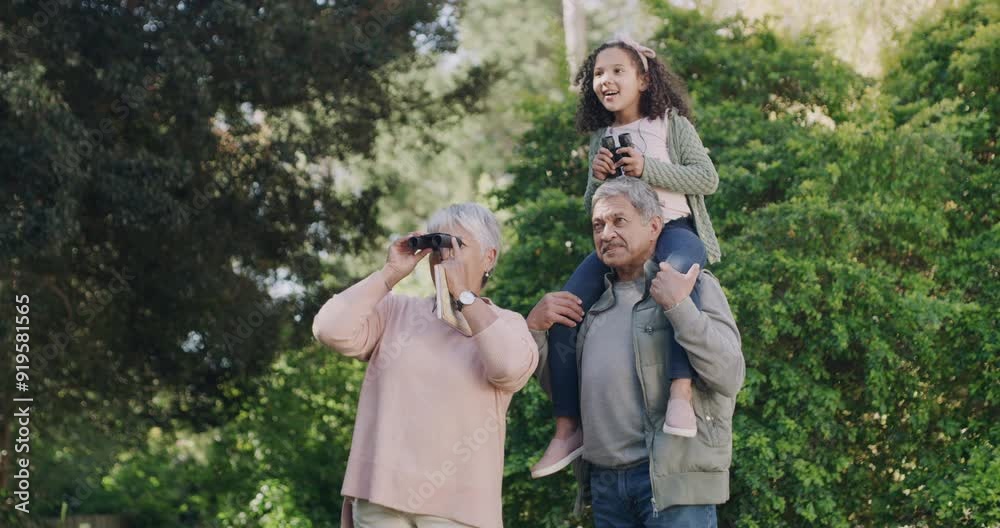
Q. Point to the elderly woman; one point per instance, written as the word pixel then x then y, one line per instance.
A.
pixel 428 442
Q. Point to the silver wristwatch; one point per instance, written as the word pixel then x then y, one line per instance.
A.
pixel 466 298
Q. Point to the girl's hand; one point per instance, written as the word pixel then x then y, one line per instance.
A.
pixel 401 260
pixel 603 166
pixel 633 161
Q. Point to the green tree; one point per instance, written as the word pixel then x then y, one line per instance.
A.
pixel 952 55
pixel 460 157
pixel 278 463
pixel 155 164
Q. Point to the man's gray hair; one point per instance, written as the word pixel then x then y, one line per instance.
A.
pixel 479 220
pixel 638 192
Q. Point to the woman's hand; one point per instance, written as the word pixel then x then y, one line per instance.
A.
pixel 454 270
pixel 603 166
pixel 633 161
pixel 401 260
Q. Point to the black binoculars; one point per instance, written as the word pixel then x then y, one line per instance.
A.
pixel 433 241
pixel 608 142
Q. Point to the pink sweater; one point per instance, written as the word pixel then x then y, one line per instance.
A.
pixel 431 422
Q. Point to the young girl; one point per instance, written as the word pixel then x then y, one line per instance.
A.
pixel 624 88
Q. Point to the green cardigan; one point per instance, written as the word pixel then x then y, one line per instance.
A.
pixel 691 173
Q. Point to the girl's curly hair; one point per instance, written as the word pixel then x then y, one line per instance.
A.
pixel 665 90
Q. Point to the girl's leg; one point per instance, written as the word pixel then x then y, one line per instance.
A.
pixel 587 283
pixel 680 246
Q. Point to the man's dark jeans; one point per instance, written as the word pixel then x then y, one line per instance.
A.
pixel 623 498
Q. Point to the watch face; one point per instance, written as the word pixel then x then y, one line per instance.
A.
pixel 467 297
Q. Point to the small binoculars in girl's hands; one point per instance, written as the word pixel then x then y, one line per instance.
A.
pixel 433 241
pixel 608 142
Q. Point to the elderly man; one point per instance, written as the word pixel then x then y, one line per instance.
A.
pixel 637 475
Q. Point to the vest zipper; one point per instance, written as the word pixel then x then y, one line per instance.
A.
pixel 642 384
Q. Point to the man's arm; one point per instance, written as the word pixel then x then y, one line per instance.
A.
pixel 555 307
pixel 541 338
pixel 710 337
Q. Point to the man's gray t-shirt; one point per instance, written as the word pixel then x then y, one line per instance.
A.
pixel 611 403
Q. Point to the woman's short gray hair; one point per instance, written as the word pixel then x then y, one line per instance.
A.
pixel 477 219
pixel 638 192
